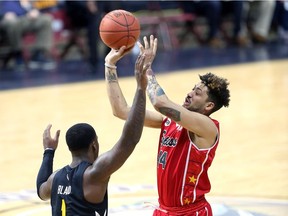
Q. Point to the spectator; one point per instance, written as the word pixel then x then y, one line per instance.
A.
pixel 19 18
pixel 46 5
pixel 256 15
pixel 260 19
pixel 211 10
pixel 87 15
pixel 235 10
pixel 280 20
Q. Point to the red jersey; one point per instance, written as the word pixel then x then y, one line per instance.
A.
pixel 182 167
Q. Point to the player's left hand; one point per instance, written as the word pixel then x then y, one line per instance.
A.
pixel 140 71
pixel 149 49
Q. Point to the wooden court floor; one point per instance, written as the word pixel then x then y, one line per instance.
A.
pixel 251 161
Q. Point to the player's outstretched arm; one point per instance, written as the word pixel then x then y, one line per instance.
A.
pixel 109 162
pixel 118 103
pixel 45 176
pixel 117 100
pixel 201 125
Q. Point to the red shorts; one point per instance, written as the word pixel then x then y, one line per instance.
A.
pixel 202 208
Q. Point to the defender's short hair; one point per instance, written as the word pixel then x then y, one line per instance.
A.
pixel 80 136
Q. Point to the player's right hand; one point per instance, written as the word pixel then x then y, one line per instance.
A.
pixel 48 141
pixel 115 55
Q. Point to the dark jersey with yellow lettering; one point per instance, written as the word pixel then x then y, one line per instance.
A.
pixel 67 197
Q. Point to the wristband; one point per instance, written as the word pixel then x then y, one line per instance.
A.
pixel 110 66
pixel 49 149
pixel 49 152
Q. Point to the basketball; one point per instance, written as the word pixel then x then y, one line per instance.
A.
pixel 119 28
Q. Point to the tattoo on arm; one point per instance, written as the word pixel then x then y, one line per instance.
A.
pixel 171 113
pixel 111 76
pixel 154 89
pixel 159 91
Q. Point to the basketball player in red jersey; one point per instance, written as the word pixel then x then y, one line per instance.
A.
pixel 188 137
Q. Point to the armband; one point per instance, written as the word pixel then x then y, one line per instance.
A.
pixel 46 168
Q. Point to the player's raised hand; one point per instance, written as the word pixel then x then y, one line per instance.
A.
pixel 149 48
pixel 115 55
pixel 140 71
pixel 48 141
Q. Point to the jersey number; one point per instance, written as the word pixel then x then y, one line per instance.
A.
pixel 162 157
pixel 63 208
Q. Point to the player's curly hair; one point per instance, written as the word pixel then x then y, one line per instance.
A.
pixel 218 92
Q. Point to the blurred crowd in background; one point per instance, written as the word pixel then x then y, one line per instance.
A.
pixel 39 33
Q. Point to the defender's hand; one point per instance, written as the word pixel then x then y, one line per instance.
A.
pixel 149 49
pixel 48 141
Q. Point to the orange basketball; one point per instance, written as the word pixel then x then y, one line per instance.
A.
pixel 119 28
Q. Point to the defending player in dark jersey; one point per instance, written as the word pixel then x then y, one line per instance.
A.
pixel 64 202
pixel 80 188
pixel 188 137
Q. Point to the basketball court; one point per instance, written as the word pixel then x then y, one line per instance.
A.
pixel 250 171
